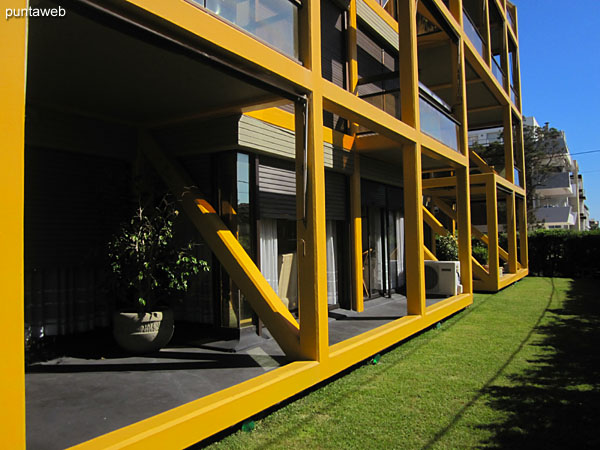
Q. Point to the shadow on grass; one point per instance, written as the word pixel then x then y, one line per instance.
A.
pixel 555 403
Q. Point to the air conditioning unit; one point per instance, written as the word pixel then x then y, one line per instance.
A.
pixel 442 278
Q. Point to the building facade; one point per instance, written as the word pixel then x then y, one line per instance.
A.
pixel 316 149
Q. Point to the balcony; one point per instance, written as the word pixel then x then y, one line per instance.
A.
pixel 473 34
pixel 383 92
pixel 273 21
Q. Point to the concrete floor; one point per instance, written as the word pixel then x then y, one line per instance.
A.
pixel 75 398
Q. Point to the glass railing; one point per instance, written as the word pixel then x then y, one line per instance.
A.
pixel 513 95
pixel 473 33
pixel 438 124
pixel 388 101
pixel 510 19
pixel 518 177
pixel 498 73
pixel 273 21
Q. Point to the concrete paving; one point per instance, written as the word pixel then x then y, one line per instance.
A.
pixel 75 398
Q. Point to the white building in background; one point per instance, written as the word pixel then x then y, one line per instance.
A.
pixel 560 202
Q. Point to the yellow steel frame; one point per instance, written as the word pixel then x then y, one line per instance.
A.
pixel 13 58
pixel 306 343
pixel 489 280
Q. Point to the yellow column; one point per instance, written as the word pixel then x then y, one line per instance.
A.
pixel 463 215
pixel 357 256
pixel 486 22
pixel 411 158
pixel 355 198
pixel 312 257
pixel 413 229
pixel 491 201
pixel 509 161
pixel 13 58
pixel 522 211
pixel 456 10
pixel 511 232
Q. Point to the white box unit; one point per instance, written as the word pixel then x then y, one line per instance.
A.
pixel 443 278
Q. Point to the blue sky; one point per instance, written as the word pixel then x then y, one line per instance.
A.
pixel 559 46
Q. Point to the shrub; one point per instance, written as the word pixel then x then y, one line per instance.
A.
pixel 446 247
pixel 564 253
pixel 480 253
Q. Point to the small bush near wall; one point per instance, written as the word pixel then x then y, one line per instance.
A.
pixel 564 253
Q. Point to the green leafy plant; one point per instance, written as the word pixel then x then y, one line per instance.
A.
pixel 149 270
pixel 446 247
pixel 480 253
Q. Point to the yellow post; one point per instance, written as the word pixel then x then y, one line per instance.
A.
pixel 509 161
pixel 355 198
pixel 491 201
pixel 522 211
pixel 456 10
pixel 312 256
pixel 413 229
pixel 407 57
pixel 411 158
pixel 511 232
pixel 487 34
pixel 463 213
pixel 13 58
pixel 357 256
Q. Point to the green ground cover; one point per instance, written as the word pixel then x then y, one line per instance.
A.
pixel 518 369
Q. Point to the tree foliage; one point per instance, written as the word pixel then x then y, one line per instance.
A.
pixel 149 269
pixel 543 152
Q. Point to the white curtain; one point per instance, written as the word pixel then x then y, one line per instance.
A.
pixel 377 249
pixel 332 278
pixel 268 251
pixel 400 270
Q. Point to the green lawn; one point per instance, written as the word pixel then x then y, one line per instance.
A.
pixel 518 369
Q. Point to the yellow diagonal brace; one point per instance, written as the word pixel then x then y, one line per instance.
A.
pixel 480 162
pixel 232 256
pixel 479 271
pixel 446 209
pixel 484 238
pixel 428 255
pixel 435 224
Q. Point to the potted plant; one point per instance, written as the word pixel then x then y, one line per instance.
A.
pixel 150 272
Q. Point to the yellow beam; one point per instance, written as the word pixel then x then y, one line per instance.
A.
pixel 13 59
pixel 215 32
pixel 347 105
pixel 311 238
pixel 227 249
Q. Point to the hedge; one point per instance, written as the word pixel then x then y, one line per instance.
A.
pixel 564 253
